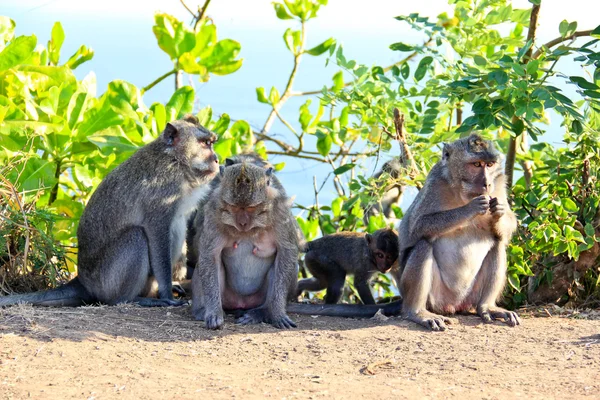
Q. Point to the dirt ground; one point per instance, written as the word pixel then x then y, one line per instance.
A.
pixel 131 352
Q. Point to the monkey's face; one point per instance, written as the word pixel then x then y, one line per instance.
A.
pixel 384 249
pixel 246 197
pixel 473 165
pixel 193 144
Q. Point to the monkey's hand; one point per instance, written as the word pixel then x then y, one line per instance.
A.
pixel 490 314
pixel 211 320
pixel 258 315
pixel 479 205
pixel 497 209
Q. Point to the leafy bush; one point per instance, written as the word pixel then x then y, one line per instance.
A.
pixel 503 82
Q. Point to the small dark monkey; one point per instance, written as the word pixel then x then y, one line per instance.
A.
pixel 453 238
pixel 247 249
pixel 330 258
pixel 133 227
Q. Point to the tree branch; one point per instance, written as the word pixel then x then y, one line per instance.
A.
pixel 158 80
pixel 306 157
pixel 201 14
pixel 560 40
pixel 189 9
pixel 386 69
pixel 511 155
pixel 288 87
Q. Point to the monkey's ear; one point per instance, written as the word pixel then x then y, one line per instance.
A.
pixel 369 238
pixel 191 119
pixel 229 162
pixel 171 135
pixel 269 174
pixel 446 152
pixel 221 170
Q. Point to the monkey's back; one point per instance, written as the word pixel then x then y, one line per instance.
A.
pixel 340 246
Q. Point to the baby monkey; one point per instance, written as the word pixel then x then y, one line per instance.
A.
pixel 330 258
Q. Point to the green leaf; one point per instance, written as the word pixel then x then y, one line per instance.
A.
pixel 401 47
pixel 324 143
pixel 260 95
pixel 17 52
pixel 82 55
pixel 589 230
pixel 322 48
pixel 173 36
pixel 56 42
pixel 274 96
pixel 576 127
pixel 160 116
pixel 181 103
pixel 536 2
pixel 112 139
pixel 292 40
pixel 422 67
pixel 596 32
pixel 7 30
pixel 338 81
pixel 222 124
pixel 281 11
pixel 97 119
pixel 405 70
pixel 583 83
pixel 480 61
pixel 513 280
pixel 344 168
pixel 569 205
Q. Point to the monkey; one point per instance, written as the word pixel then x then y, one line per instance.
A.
pixel 393 193
pixel 197 217
pixel 331 257
pixel 248 250
pixel 133 226
pixel 452 243
pixel 453 238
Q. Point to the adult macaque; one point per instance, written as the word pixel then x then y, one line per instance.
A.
pixel 330 258
pixel 453 238
pixel 247 248
pixel 133 227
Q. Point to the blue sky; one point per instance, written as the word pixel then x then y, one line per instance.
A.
pixel 120 32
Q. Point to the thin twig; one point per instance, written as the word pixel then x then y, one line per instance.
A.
pixel 189 9
pixel 157 81
pixel 202 14
pixel 559 40
pixel 288 87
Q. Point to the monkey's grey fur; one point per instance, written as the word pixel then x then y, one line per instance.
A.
pixel 247 248
pixel 133 227
pixel 453 238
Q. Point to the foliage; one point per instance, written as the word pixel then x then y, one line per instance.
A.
pixel 481 60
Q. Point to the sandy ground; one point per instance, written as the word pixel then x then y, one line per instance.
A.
pixel 131 352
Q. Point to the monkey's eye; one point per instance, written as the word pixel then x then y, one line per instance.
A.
pixel 206 142
pixel 250 209
pixel 380 255
pixel 490 164
pixel 477 164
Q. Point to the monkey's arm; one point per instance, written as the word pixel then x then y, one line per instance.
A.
pixel 159 251
pixel 210 307
pixel 436 223
pixel 361 283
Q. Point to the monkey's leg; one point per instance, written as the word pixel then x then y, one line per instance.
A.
pixel 491 279
pixel 207 282
pixel 361 283
pixel 415 287
pixel 335 284
pixel 124 272
pixel 319 279
pixel 279 280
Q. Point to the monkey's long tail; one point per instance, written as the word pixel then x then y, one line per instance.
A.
pixel 71 294
pixel 391 309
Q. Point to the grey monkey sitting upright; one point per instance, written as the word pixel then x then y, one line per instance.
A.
pixel 133 227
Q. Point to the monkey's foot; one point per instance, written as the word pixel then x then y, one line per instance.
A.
pixel 429 320
pixel 258 315
pixel 214 321
pixel 497 313
pixel 148 302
